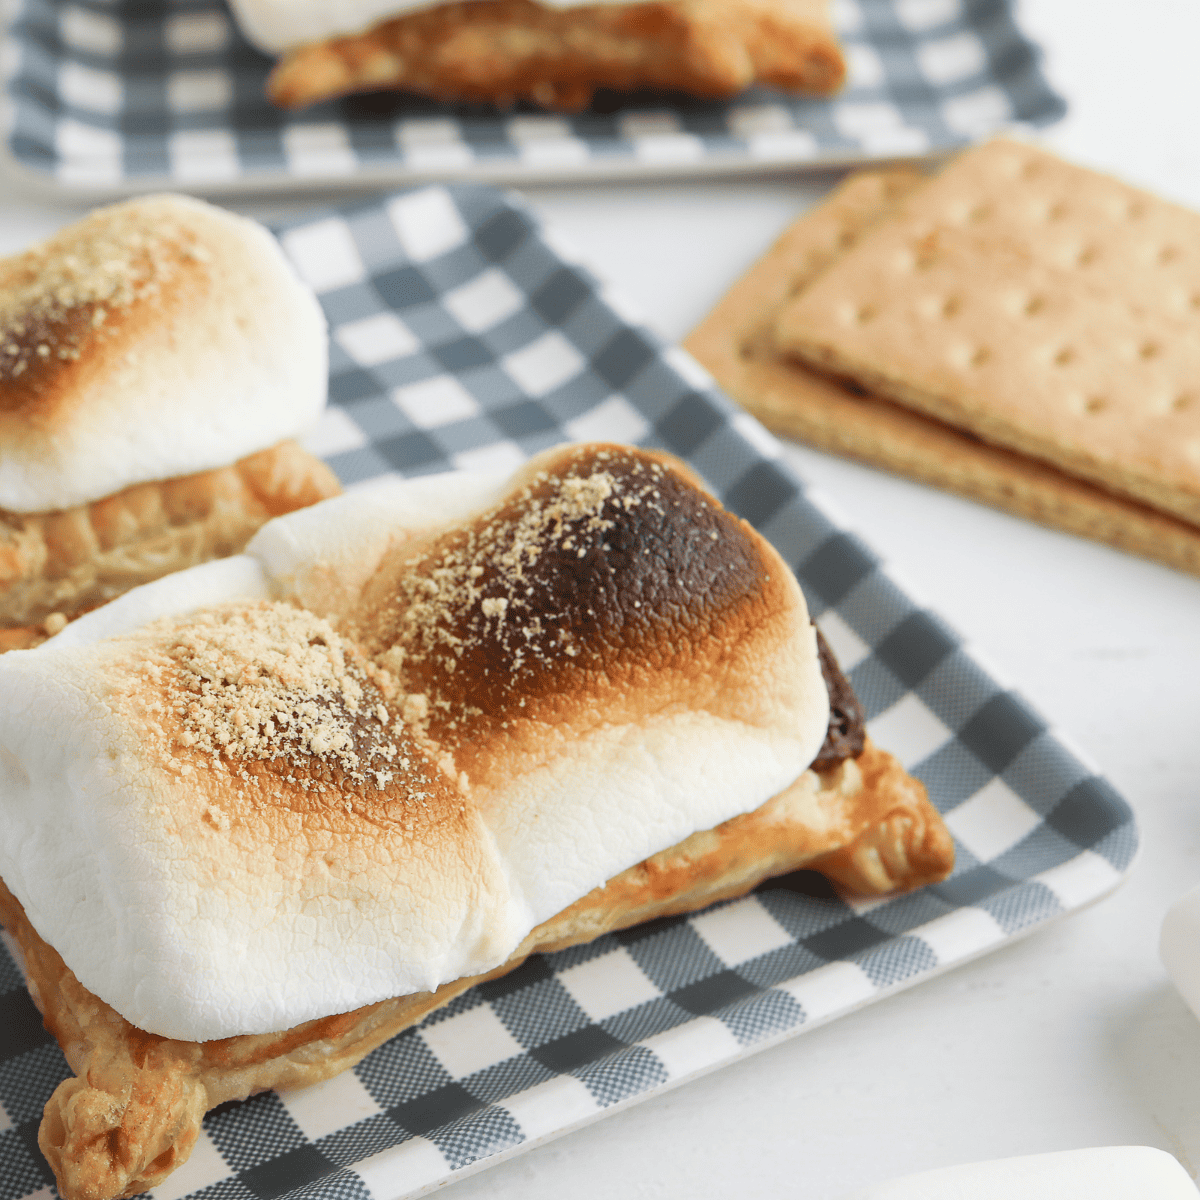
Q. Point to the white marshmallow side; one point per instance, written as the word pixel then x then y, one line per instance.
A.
pixel 54 835
pixel 1104 1173
pixel 278 25
pixel 246 370
pixel 620 795
pixel 89 831
pixel 321 556
pixel 189 930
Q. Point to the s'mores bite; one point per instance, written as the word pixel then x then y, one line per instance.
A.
pixel 156 361
pixel 555 53
pixel 410 737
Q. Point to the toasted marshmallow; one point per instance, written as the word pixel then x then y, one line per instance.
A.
pixel 156 338
pixel 435 734
pixel 1104 1173
pixel 278 25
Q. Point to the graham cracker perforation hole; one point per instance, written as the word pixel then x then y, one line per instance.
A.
pixel 1167 255
pixel 1135 210
pixel 1184 402
pixel 979 356
pixel 1033 305
pixel 756 346
pixel 951 306
pixel 846 238
pixel 1056 211
pixel 1194 301
pixel 1010 165
pixel 1094 405
pixel 1087 255
pixel 1064 357
pixel 1149 350
pixel 813 262
pixel 865 313
pixel 968 214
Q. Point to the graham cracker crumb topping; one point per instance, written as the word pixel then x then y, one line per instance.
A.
pixel 479 583
pixel 57 294
pixel 468 626
pixel 268 681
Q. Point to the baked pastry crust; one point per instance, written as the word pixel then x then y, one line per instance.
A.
pixel 78 558
pixel 499 51
pixel 132 1113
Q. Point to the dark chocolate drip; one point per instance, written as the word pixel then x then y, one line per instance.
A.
pixel 847 731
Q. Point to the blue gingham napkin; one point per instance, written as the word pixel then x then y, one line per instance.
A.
pixel 107 96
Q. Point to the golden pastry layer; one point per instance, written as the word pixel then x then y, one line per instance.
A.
pixel 499 51
pixel 75 559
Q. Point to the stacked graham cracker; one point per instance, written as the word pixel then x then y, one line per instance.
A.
pixel 1015 329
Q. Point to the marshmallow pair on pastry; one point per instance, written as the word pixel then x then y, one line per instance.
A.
pixel 413 735
pixel 555 53
pixel 156 359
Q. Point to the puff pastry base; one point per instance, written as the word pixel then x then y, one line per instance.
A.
pixel 133 1112
pixel 499 51
pixel 79 558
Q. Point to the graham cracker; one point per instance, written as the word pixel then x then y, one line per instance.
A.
pixel 1041 306
pixel 499 51
pixel 736 343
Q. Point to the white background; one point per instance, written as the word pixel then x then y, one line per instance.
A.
pixel 1073 1037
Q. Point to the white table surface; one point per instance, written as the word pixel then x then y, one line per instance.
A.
pixel 1073 1037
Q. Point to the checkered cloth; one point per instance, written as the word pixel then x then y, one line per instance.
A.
pixel 463 337
pixel 106 95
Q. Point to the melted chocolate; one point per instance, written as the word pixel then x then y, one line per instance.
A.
pixel 847 731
